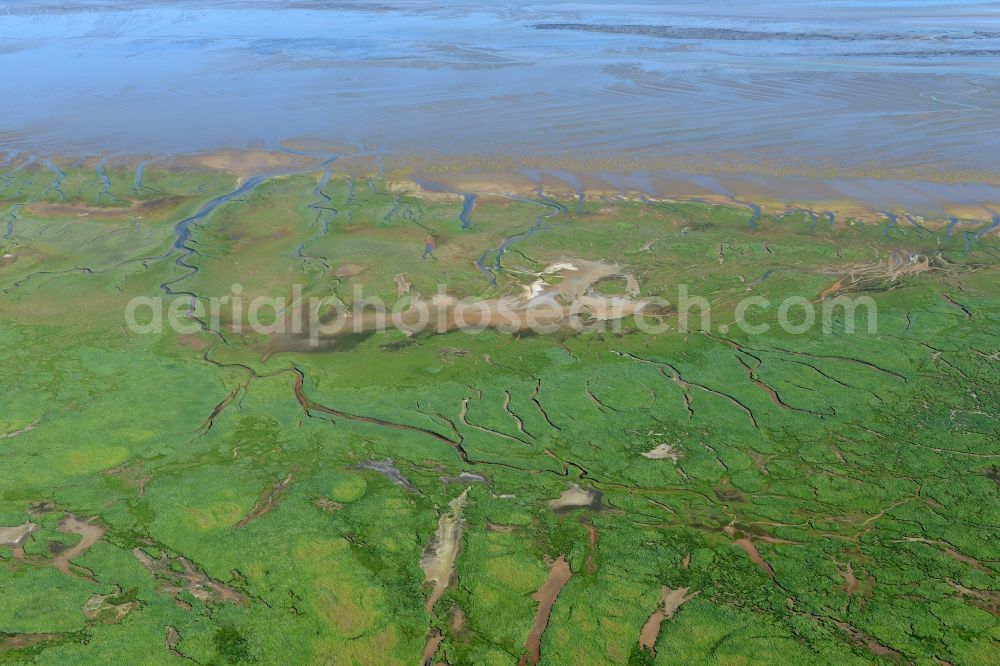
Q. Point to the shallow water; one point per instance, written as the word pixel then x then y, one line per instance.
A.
pixel 840 83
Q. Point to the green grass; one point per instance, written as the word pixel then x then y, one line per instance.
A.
pixel 881 455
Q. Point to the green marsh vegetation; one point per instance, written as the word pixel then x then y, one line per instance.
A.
pixel 830 497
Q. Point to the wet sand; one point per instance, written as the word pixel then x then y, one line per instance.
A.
pixel 431 647
pixel 560 296
pixel 438 559
pixel 783 86
pixel 559 575
pixel 90 533
pixel 861 193
pixel 670 601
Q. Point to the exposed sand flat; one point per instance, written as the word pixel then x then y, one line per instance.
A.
pixel 662 452
pixel 438 559
pixel 12 536
pixel 249 162
pixel 559 575
pixel 402 285
pixel 858 193
pixel 569 302
pixel 471 180
pixel 848 194
pixel 575 497
pixel 16 536
pixel 438 563
pixel 670 601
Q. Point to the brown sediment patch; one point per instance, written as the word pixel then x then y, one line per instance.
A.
pixel 670 601
pixel 16 536
pixel 90 533
pixel 171 641
pixel 988 600
pixel 862 639
pixel 132 474
pixel 438 559
pixel 327 504
pixel 350 270
pixel 951 552
pixel 103 607
pixel 851 584
pixel 135 209
pixel 559 575
pixel 592 540
pixel 402 285
pixel 266 501
pixel 726 493
pixel 576 497
pixel 41 508
pixel 750 549
pixel 832 289
pixel 176 574
pixel 431 647
pixel 505 529
pixel 26 429
pixel 195 342
pixel 22 641
pixel 248 162
pixel 457 622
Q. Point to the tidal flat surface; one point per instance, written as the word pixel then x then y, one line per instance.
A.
pixel 843 86
pixel 822 487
